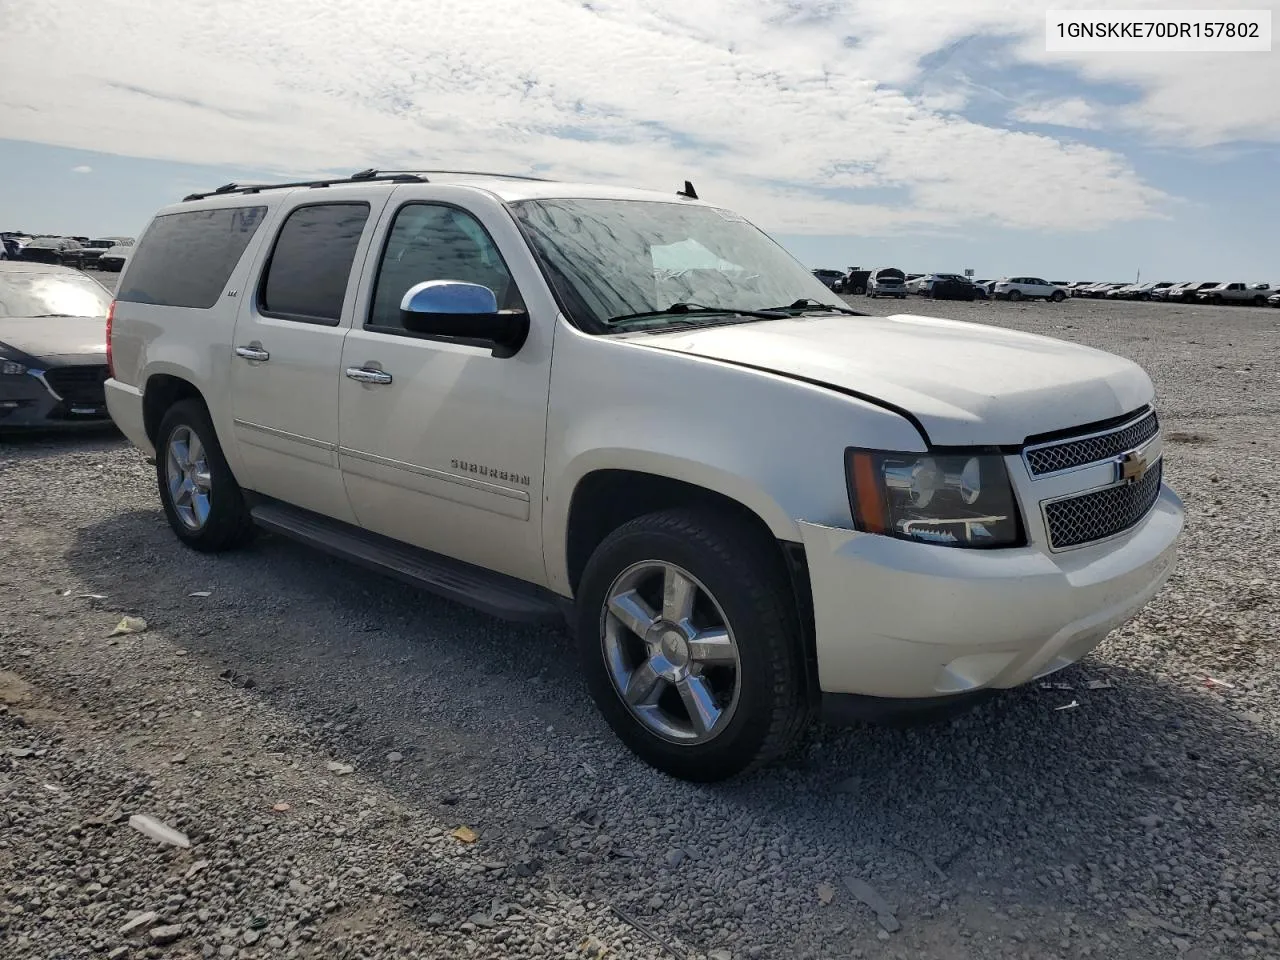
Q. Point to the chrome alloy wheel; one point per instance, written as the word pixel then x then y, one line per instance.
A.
pixel 187 475
pixel 670 652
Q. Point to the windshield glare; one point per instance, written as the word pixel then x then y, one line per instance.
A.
pixel 37 295
pixel 614 258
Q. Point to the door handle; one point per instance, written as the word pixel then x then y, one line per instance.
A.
pixel 368 375
pixel 252 352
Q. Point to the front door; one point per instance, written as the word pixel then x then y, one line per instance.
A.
pixel 287 349
pixel 441 443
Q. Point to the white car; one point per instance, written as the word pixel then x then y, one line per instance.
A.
pixel 1029 288
pixel 634 411
pixel 887 282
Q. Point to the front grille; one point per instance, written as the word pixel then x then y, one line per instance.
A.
pixel 80 386
pixel 1076 453
pixel 1102 514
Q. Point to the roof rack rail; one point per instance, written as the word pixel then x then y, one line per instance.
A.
pixel 474 173
pixel 364 176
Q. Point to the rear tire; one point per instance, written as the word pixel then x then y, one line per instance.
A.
pixel 748 687
pixel 201 499
pixel 1015 295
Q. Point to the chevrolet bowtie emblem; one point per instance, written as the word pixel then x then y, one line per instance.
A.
pixel 1133 467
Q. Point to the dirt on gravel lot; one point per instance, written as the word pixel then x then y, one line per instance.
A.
pixel 319 734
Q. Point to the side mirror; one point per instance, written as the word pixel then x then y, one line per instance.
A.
pixel 466 312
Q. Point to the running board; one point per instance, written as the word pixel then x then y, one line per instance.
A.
pixel 484 590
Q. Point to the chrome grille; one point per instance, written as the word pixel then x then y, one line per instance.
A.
pixel 1103 513
pixel 1092 449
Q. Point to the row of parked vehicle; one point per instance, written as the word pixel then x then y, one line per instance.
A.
pixel 890 281
pixel 86 253
pixel 1193 291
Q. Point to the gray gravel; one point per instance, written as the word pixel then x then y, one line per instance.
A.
pixel 1142 823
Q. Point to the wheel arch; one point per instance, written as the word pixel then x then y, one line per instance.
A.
pixel 160 392
pixel 604 499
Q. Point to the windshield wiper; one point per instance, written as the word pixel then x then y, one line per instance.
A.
pixel 809 304
pixel 683 309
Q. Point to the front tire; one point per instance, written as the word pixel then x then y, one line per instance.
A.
pixel 201 499
pixel 690 644
pixel 1058 296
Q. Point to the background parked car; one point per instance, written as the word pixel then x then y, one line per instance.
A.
pixel 1149 291
pixel 1122 293
pixel 55 250
pixel 829 277
pixel 1273 300
pixel 1188 293
pixel 1173 291
pixel 94 249
pixel 924 285
pixel 11 245
pixel 1240 293
pixel 53 337
pixel 947 288
pixel 855 282
pixel 1101 290
pixel 1075 286
pixel 887 282
pixel 113 260
pixel 1029 288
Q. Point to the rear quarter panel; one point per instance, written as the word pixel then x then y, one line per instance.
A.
pixel 192 344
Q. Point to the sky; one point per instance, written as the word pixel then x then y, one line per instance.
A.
pixel 930 135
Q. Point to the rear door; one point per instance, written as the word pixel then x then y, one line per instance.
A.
pixel 288 346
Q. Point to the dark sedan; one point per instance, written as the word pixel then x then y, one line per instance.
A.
pixel 53 347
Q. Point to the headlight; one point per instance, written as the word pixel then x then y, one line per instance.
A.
pixel 956 500
pixel 11 368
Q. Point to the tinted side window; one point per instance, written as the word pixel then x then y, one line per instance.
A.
pixel 429 241
pixel 185 259
pixel 306 277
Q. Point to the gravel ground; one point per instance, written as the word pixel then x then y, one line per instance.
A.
pixel 319 734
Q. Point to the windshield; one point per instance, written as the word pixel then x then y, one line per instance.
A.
pixel 621 258
pixel 43 295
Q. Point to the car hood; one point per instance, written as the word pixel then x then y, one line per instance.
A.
pixel 966 383
pixel 56 339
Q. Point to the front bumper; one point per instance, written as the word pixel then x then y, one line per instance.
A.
pixel 897 619
pixel 29 402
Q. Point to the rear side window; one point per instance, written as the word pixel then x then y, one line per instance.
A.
pixel 185 259
pixel 306 277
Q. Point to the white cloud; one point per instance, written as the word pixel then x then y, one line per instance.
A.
pixel 782 109
pixel 83 168
pixel 1066 112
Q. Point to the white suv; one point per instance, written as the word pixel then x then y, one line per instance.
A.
pixel 635 411
pixel 1029 288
